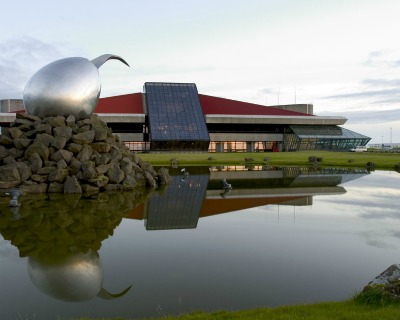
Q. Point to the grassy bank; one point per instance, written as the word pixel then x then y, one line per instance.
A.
pixel 349 310
pixel 383 161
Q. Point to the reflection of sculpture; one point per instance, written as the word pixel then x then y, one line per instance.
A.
pixel 74 277
pixel 69 86
pixel 61 234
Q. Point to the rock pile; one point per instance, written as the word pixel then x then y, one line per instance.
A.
pixel 62 155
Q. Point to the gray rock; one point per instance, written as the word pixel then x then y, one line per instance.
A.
pixel 84 122
pixel 390 274
pixel 9 184
pixel 38 178
pixel 50 163
pixel 44 138
pixel 3 152
pixel 100 128
pixel 126 165
pixel 70 121
pixel 39 148
pixel 59 142
pixel 115 174
pixel 99 181
pixel 88 188
pixel 16 153
pixel 58 121
pixel 112 186
pixel 129 183
pixel 62 154
pixel 55 187
pixel 46 170
pixel 9 160
pixel 26 116
pixel 164 177
pixel 36 162
pixel 75 165
pixel 85 154
pixel 6 141
pixel 89 170
pixel 74 147
pixel 102 159
pixel 33 187
pixel 61 164
pixel 24 170
pixel 58 175
pixel 150 181
pixel 103 168
pixel 72 186
pixel 84 137
pixel 26 122
pixel 9 173
pixel 15 133
pixel 115 154
pixel 22 143
pixel 85 128
pixel 65 132
pixel 101 147
pixel 43 128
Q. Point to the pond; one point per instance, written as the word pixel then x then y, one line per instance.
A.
pixel 279 236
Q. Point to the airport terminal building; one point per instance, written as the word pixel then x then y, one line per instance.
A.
pixel 175 117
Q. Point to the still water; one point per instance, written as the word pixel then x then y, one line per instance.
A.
pixel 280 236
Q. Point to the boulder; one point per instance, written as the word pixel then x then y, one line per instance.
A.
pixel 9 173
pixel 72 186
pixel 35 161
pixel 38 147
pixel 84 137
pixel 22 143
pixel 15 133
pixel 115 174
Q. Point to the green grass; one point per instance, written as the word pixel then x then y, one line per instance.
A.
pixel 382 161
pixel 347 310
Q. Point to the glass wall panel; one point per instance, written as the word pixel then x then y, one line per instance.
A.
pixel 176 120
pixel 327 138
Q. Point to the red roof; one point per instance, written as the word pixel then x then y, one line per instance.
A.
pixel 215 105
pixel 128 103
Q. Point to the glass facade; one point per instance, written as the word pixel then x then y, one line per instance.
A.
pixel 175 118
pixel 322 138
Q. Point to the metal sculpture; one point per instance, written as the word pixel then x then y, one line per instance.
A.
pixel 69 86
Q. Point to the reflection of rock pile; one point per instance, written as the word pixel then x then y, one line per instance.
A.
pixel 61 155
pixel 57 225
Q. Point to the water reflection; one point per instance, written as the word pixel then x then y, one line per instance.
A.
pixel 61 236
pixel 198 192
pixel 233 261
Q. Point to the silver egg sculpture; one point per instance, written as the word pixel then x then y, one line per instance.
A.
pixel 75 277
pixel 69 86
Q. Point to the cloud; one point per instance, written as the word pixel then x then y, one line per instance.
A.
pixel 374 91
pixel 383 59
pixel 368 94
pixel 20 58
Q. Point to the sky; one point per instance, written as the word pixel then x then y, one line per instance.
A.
pixel 341 56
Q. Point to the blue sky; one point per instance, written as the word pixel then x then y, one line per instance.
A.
pixel 342 56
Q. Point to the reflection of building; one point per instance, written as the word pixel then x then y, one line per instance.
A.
pixel 179 205
pixel 201 194
pixel 173 116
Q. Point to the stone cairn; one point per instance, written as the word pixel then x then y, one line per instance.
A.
pixel 62 155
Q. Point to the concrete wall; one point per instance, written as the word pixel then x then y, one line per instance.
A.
pixel 303 108
pixel 11 105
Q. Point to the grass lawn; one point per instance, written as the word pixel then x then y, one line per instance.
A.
pixel 347 310
pixel 383 161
